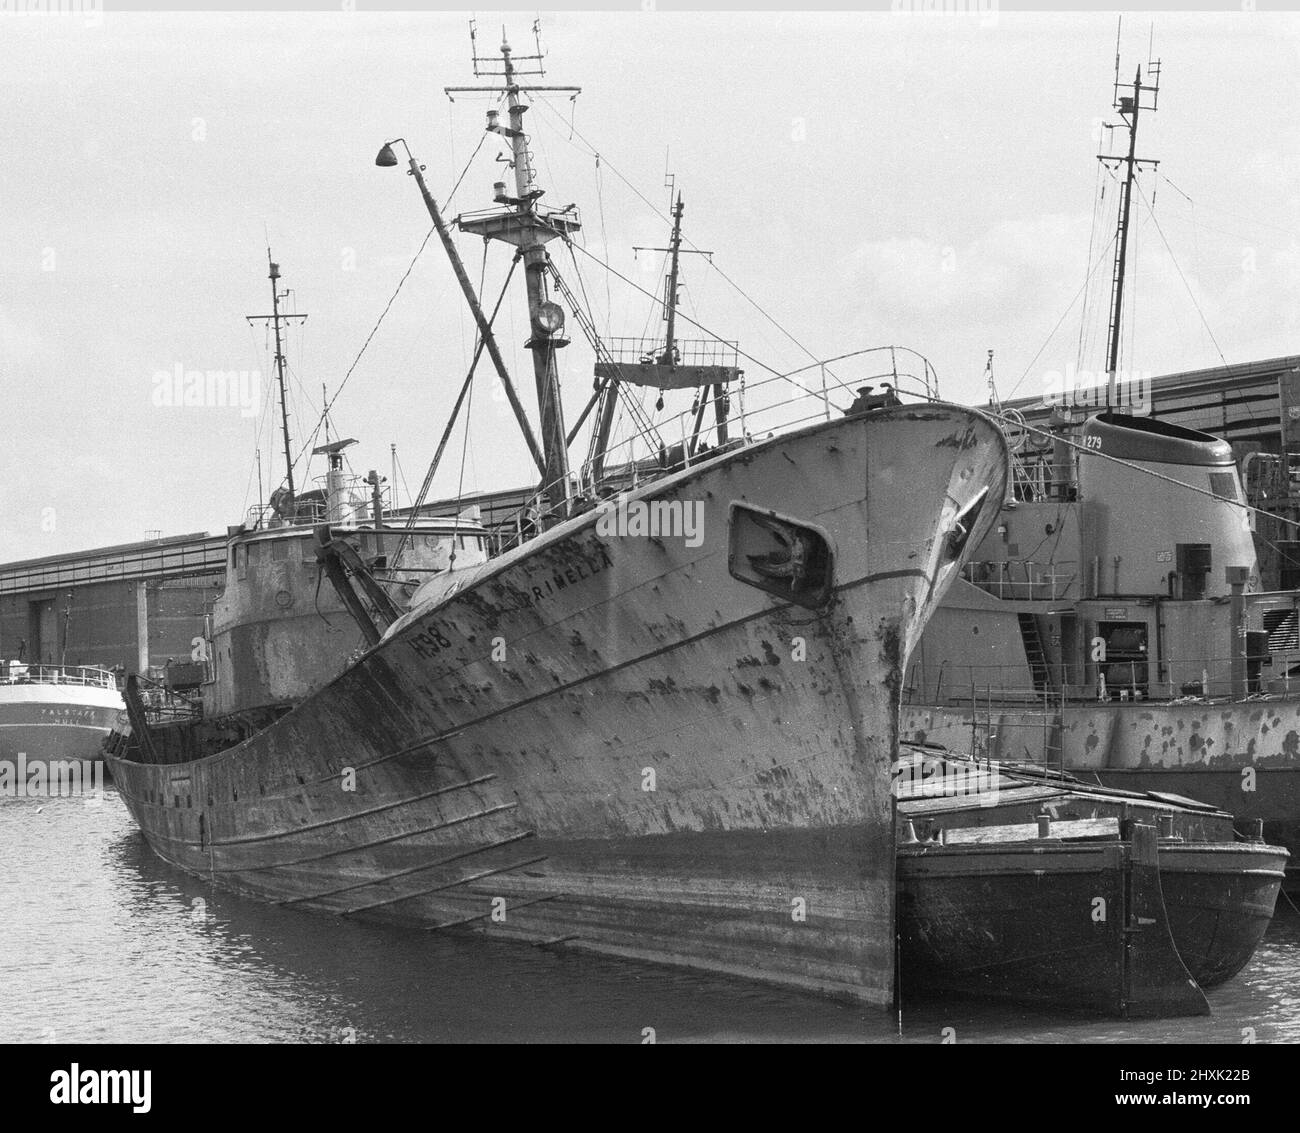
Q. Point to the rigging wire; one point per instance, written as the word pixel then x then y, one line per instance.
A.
pixel 604 241
pixel 1095 342
pixel 1234 215
pixel 397 460
pixel 1047 342
pixel 659 212
pixel 418 502
pixel 662 303
pixel 310 443
pixel 1178 268
pixel 482 139
pixel 636 408
pixel 1201 314
pixel 649 295
pixel 384 313
pixel 460 482
pixel 259 426
pixel 1131 317
pixel 1097 197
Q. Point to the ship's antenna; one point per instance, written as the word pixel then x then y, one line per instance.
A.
pixel 276 318
pixel 1144 96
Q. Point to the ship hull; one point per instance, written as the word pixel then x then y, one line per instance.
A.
pixel 1218 895
pixel 1073 927
pixel 53 723
pixel 1220 900
pixel 1242 758
pixel 1275 804
pixel 620 741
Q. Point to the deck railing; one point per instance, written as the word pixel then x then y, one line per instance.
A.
pixel 21 673
pixel 663 443
pixel 1024 579
pixel 1117 681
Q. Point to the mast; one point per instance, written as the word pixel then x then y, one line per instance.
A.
pixel 670 355
pixel 670 311
pixel 276 319
pixel 706 367
pixel 1129 107
pixel 540 343
pixel 279 373
pixel 529 227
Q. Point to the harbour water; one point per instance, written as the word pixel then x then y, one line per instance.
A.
pixel 102 942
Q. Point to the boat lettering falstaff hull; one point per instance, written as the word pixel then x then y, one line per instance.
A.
pixel 53 716
pixel 650 744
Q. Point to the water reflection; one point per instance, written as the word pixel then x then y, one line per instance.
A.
pixel 104 942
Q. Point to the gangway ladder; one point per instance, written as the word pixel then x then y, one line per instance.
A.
pixel 1054 729
pixel 1000 729
pixel 1035 654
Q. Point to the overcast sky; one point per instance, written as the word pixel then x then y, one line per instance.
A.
pixel 864 178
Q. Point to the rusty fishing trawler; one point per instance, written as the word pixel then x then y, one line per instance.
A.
pixel 660 721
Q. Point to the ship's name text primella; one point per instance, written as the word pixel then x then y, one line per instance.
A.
pixel 431 640
pixel 1084 389
pixel 658 519
pixel 581 568
pixel 102 1087
pixel 236 389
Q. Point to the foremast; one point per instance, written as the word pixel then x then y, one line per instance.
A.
pixel 1129 107
pixel 276 319
pixel 706 367
pixel 529 227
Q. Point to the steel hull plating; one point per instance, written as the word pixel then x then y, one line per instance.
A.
pixel 1068 926
pixel 1218 895
pixel 1220 901
pixel 614 742
pixel 51 722
pixel 1242 758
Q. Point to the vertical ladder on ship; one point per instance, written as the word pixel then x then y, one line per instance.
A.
pixel 1035 654
pixel 1054 730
